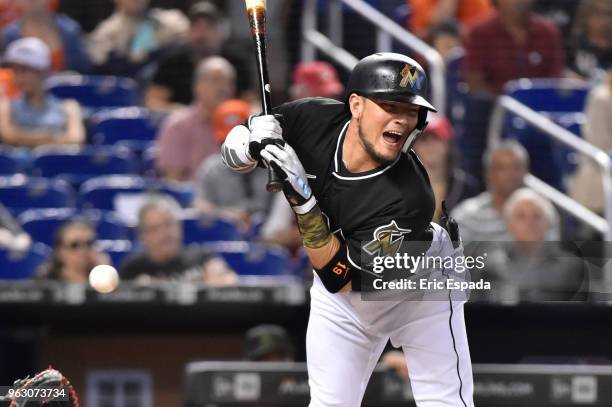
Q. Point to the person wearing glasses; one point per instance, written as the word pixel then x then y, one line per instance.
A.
pixel 74 253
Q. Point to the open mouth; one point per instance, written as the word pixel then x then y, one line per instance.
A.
pixel 393 137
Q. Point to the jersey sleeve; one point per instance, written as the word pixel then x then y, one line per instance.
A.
pixel 303 117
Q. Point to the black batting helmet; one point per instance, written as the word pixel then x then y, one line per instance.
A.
pixel 393 77
pixel 390 76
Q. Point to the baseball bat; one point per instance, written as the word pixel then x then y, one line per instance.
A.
pixel 256 10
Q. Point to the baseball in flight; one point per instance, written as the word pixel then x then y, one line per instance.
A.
pixel 104 278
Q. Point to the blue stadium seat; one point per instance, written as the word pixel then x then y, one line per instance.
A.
pixel 116 249
pixel 549 95
pixel 100 192
pixel 197 229
pixel 563 101
pixel 95 92
pixel 77 164
pixel 13 161
pixel 20 265
pixel 147 162
pixel 41 224
pixel 133 125
pixel 20 192
pixel 254 259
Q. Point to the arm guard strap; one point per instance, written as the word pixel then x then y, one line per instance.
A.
pixel 337 273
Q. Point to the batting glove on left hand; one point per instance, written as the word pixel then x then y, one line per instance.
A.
pixel 264 130
pixel 287 165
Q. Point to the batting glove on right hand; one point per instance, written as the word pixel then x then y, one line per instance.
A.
pixel 264 130
pixel 287 165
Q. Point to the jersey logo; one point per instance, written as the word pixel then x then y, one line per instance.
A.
pixel 387 240
pixel 412 76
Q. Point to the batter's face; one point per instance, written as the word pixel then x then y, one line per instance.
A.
pixel 383 126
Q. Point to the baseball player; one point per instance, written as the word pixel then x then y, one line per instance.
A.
pixel 355 185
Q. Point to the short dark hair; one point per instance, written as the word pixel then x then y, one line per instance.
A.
pixel 205 10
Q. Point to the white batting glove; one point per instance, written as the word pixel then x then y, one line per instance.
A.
pixel 287 165
pixel 235 150
pixel 242 146
pixel 264 130
pixel 265 127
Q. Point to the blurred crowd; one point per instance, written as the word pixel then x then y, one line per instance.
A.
pixel 194 70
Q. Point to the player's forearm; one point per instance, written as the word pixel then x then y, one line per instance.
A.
pixel 320 244
pixel 26 138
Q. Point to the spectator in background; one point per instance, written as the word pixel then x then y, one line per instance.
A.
pixel 317 78
pixel 134 36
pixel 586 187
pixel 59 32
pixel 480 218
pixel 530 268
pixel 221 192
pixel 186 137
pixel 426 15
pixel 171 82
pixel 591 42
pixel 437 153
pixel 512 43
pixel 36 118
pixel 267 343
pixel 446 39
pixel 280 227
pixel 164 257
pixel 74 254
pixel 10 11
pixel 12 237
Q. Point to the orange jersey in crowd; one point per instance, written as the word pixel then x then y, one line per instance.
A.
pixel 468 11
pixel 7 83
pixel 10 10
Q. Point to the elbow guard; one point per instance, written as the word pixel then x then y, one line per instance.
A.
pixel 234 151
pixel 337 272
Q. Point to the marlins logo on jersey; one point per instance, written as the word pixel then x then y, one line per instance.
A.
pixel 387 240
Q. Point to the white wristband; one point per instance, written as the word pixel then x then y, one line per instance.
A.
pixel 305 207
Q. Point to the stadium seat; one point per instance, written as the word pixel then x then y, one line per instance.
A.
pixel 95 92
pixel 77 164
pixel 549 95
pixel 561 100
pixel 197 229
pixel 20 192
pixel 19 265
pixel 133 125
pixel 41 224
pixel 102 192
pixel 147 162
pixel 13 161
pixel 254 259
pixel 116 249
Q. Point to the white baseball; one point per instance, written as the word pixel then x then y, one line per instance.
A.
pixel 104 278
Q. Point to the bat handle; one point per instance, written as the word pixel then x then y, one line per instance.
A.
pixel 275 184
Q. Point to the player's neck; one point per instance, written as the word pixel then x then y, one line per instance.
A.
pixel 354 155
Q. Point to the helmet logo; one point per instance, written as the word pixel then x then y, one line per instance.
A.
pixel 412 76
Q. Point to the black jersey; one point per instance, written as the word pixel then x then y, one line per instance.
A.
pixel 375 210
